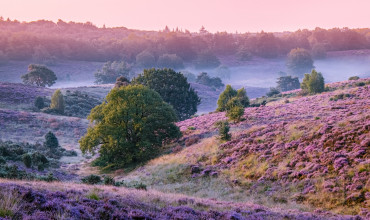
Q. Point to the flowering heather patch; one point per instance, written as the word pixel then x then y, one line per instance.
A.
pixel 30 127
pixel 17 93
pixel 37 200
pixel 319 144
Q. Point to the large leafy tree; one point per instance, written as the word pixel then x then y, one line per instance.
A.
pixel 129 126
pixel 174 89
pixel 299 62
pixel 39 75
pixel 111 71
pixel 313 83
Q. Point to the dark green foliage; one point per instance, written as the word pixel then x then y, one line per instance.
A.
pixel 234 109
pixel 130 126
pixel 241 95
pixel 173 88
pixel 170 61
pixel 2 160
pixel 360 84
pixel 206 60
pixel 49 178
pixel 39 102
pixel 39 75
pixel 51 141
pixel 39 160
pixel 109 181
pixel 299 62
pixel 91 179
pixel 273 91
pixel 287 83
pixel 111 71
pixel 57 102
pixel 340 96
pixel 27 160
pixel 79 104
pixel 223 130
pixel 145 59
pixel 204 79
pixel 313 83
pixel 353 78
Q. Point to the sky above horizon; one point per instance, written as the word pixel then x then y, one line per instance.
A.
pixel 214 15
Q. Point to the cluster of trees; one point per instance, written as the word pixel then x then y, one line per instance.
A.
pixel 204 79
pixel 45 40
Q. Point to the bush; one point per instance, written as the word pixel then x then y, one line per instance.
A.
pixel 91 179
pixel 27 160
pixel 51 141
pixel 313 83
pixel 223 130
pixel 360 84
pixel 204 79
pixel 57 102
pixel 109 181
pixel 273 91
pixel 353 78
pixel 39 102
pixel 39 160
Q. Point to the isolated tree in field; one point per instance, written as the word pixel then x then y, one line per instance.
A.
pixel 39 102
pixel 170 61
pixel 224 97
pixel 223 130
pixel 234 109
pixel 111 71
pixel 39 75
pixel 287 83
pixel 313 83
pixel 299 62
pixel 130 126
pixel 51 141
pixel 204 79
pixel 145 59
pixel 173 88
pixel 57 102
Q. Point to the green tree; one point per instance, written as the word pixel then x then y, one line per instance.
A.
pixel 51 141
pixel 27 160
pixel 224 97
pixel 57 102
pixel 39 102
pixel 39 75
pixel 173 88
pixel 313 83
pixel 234 109
pixel 241 95
pixel 223 130
pixel 111 71
pixel 170 61
pixel 287 83
pixel 299 62
pixel 129 127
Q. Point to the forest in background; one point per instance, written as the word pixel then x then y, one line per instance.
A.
pixel 45 40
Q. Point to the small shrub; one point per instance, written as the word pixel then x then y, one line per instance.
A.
pixel 93 196
pixel 140 186
pixel 353 78
pixel 223 130
pixel 39 102
pixel 51 141
pixel 360 84
pixel 27 160
pixel 49 178
pixel 109 181
pixel 91 179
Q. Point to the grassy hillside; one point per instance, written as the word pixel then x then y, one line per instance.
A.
pixel 306 153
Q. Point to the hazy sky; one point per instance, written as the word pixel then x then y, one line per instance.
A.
pixel 215 15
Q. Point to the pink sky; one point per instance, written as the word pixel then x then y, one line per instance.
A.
pixel 215 15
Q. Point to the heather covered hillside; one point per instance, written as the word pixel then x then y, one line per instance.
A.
pixel 300 152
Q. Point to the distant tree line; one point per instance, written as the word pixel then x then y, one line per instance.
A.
pixel 44 41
